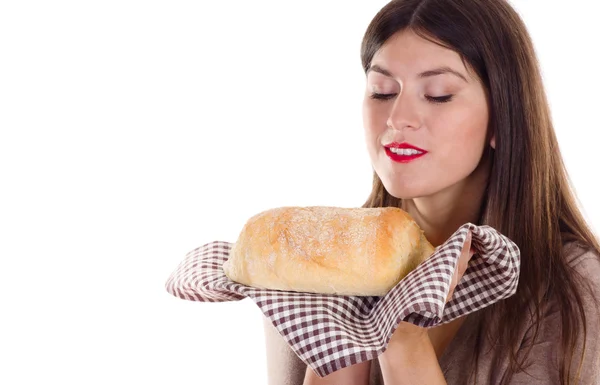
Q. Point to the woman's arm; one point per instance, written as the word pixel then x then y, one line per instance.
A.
pixel 410 358
pixel 357 374
pixel 283 366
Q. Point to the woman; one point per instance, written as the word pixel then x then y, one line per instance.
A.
pixel 458 130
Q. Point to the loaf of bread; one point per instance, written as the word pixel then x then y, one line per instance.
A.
pixel 328 250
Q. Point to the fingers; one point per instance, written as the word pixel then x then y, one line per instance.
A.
pixel 465 256
pixel 463 262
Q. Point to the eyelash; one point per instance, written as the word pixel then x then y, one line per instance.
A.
pixel 436 100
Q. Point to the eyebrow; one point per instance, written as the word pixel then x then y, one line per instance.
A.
pixel 422 75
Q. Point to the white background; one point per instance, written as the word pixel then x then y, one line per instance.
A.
pixel 135 131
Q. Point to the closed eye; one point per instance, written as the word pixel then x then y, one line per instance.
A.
pixel 439 99
pixel 377 96
pixel 432 99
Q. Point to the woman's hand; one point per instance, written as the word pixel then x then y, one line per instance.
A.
pixel 463 263
pixel 410 357
pixel 407 331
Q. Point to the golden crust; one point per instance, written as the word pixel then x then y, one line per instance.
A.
pixel 330 250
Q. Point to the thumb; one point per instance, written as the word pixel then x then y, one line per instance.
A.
pixel 463 262
pixel 466 255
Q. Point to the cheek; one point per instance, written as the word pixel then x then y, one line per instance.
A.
pixel 463 133
pixel 374 120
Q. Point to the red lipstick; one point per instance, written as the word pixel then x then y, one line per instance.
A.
pixel 403 152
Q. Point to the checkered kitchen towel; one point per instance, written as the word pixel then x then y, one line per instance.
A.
pixel 330 332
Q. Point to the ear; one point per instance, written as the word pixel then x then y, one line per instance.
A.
pixel 493 141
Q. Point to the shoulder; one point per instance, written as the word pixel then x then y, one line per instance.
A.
pixel 576 252
pixel 583 270
pixel 544 337
pixel 585 264
pixel 584 261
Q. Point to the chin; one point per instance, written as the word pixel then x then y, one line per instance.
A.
pixel 402 191
pixel 408 191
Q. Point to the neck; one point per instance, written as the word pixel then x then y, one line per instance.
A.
pixel 440 215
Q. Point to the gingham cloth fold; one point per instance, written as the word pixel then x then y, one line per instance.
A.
pixel 330 332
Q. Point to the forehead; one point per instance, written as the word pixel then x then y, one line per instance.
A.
pixel 406 53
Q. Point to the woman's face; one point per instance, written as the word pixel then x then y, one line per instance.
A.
pixel 444 116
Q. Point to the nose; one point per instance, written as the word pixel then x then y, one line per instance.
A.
pixel 404 113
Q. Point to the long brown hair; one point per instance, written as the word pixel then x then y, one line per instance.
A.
pixel 529 198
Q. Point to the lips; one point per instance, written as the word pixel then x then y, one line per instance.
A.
pixel 403 152
pixel 404 145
